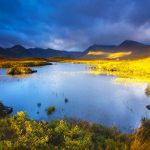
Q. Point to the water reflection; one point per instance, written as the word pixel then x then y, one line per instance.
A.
pixel 147 90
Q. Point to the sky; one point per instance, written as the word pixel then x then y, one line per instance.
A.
pixel 73 25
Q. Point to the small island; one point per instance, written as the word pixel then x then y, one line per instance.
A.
pixel 20 70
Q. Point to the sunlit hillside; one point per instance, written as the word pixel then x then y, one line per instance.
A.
pixel 97 53
pixel 118 55
pixel 109 55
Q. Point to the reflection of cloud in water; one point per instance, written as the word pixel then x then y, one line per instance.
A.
pixel 137 89
pixel 67 73
pixel 73 73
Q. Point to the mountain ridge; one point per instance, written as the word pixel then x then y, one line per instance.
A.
pixel 128 49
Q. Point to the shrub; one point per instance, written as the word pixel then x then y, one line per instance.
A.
pixel 20 132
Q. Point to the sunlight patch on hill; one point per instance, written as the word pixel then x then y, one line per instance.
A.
pixel 97 53
pixel 118 55
pixel 109 55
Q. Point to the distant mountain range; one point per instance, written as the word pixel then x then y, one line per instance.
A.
pixel 19 51
pixel 126 50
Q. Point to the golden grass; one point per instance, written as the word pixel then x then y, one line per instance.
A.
pixel 118 55
pixel 20 70
pixel 31 62
pixel 127 70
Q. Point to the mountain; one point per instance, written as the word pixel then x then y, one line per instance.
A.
pixel 19 51
pixel 99 48
pixel 126 50
pixel 129 43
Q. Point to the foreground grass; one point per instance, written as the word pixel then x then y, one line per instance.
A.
pixel 20 132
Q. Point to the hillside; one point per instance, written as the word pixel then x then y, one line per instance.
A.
pixel 126 50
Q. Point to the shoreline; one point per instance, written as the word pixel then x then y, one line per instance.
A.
pixel 125 70
pixel 29 62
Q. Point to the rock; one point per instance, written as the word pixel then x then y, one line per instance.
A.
pixel 66 100
pixel 5 110
pixel 148 107
pixel 39 104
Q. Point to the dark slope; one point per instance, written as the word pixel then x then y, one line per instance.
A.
pixel 46 53
pixel 19 51
pixel 96 47
pixel 137 50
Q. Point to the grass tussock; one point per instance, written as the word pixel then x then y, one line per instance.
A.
pixel 50 110
pixel 20 132
pixel 20 70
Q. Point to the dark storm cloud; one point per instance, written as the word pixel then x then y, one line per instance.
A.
pixel 73 24
pixel 141 12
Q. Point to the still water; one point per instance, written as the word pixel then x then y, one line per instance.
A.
pixel 94 98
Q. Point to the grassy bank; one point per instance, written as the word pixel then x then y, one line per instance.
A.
pixel 127 70
pixel 30 62
pixel 20 132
